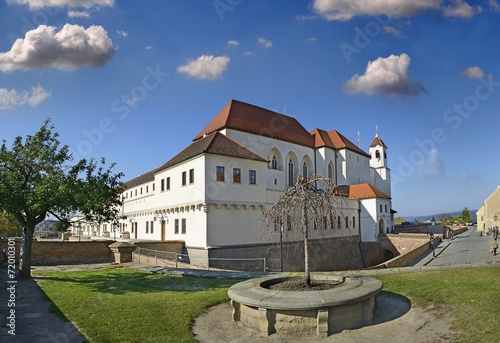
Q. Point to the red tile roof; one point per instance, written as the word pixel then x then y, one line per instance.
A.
pixel 377 141
pixel 146 177
pixel 215 143
pixel 362 191
pixel 321 139
pixel 341 142
pixel 241 116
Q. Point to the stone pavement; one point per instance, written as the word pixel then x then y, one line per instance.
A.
pixel 31 321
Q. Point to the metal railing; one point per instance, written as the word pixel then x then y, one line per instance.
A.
pixel 178 260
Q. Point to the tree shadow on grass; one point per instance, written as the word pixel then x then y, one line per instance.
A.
pixel 121 282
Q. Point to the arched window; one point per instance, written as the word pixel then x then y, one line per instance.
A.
pixel 377 154
pixel 330 172
pixel 304 170
pixel 290 173
pixel 274 163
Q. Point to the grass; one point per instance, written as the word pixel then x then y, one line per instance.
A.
pixel 472 295
pixel 121 305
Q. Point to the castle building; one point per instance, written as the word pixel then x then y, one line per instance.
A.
pixel 212 194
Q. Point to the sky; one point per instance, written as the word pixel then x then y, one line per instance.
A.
pixel 136 81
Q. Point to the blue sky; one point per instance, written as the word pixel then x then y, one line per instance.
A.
pixel 135 81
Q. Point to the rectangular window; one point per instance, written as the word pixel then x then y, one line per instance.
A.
pixel 153 187
pixel 191 176
pixel 236 175
pixel 168 183
pixel 141 190
pixel 162 185
pixel 147 189
pixel 136 192
pixel 147 227
pixel 252 177
pixel 324 223
pixel 220 174
pixel 332 222
pixel 385 208
pixel 338 222
pixel 131 194
pixel 346 222
pixel 183 178
pixel 353 221
pixel 288 223
pixel 183 226
pixel 176 226
pixel 151 226
pixel 381 208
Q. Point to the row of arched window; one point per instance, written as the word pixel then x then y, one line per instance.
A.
pixel 291 169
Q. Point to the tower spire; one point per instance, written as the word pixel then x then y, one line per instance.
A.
pixel 376 130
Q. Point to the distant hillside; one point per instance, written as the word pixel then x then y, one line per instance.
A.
pixel 437 215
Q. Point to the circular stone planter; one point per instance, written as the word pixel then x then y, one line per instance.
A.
pixel 322 312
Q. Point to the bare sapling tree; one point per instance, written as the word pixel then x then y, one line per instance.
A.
pixel 310 203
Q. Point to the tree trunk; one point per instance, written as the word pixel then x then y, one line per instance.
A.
pixel 307 274
pixel 25 253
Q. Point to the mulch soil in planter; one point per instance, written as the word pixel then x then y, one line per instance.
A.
pixel 300 285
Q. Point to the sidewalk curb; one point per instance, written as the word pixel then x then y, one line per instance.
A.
pixel 439 253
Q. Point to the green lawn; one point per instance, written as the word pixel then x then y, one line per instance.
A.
pixel 472 295
pixel 121 305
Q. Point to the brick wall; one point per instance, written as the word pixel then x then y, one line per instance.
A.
pixel 65 252
pixel 170 246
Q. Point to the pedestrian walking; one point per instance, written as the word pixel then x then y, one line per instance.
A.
pixel 495 246
pixel 495 233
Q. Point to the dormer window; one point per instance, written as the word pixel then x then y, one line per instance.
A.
pixel 274 162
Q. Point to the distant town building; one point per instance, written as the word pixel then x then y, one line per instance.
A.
pixel 489 213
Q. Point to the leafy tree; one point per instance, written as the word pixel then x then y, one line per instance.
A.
pixel 417 220
pixel 38 178
pixel 309 203
pixel 446 219
pixel 399 220
pixel 465 215
pixel 9 226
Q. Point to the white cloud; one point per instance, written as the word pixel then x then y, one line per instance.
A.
pixel 248 53
pixel 346 9
pixel 233 43
pixel 391 30
pixel 461 9
pixel 78 14
pixel 72 47
pixel 265 43
pixel 37 4
pixel 387 76
pixel 312 39
pixel 122 33
pixel 149 47
pixel 11 99
pixel 473 73
pixel 37 95
pixel 432 167
pixel 494 5
pixel 205 67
